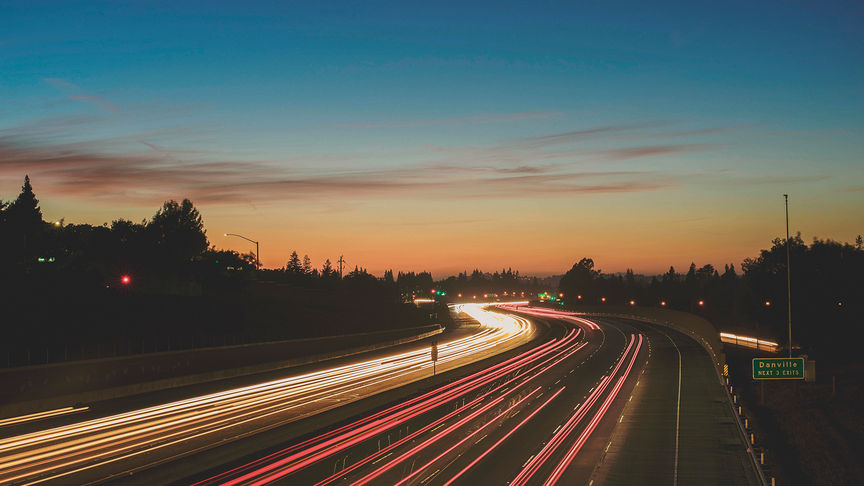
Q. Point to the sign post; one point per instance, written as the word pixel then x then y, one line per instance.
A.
pixel 434 356
pixel 778 368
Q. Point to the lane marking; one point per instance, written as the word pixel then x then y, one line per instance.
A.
pixel 677 411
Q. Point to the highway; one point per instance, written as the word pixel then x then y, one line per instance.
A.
pixel 603 401
pixel 120 444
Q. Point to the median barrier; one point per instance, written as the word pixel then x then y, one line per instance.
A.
pixel 44 387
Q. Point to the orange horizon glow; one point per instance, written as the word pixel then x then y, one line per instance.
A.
pixel 460 233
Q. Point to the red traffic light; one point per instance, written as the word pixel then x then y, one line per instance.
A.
pixel 125 279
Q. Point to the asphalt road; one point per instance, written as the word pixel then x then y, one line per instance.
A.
pixel 115 446
pixel 607 401
pixel 664 439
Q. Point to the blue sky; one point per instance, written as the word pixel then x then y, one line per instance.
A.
pixel 273 116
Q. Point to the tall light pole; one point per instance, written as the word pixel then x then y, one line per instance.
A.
pixel 788 275
pixel 257 255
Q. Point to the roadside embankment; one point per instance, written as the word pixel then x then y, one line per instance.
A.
pixel 36 388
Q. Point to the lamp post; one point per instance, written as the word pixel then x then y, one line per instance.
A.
pixel 788 275
pixel 257 255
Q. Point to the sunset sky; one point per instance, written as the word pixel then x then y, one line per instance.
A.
pixel 445 136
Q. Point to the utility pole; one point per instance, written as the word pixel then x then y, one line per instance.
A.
pixel 788 275
pixel 340 262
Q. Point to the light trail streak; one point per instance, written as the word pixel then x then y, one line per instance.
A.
pixel 545 312
pixel 454 389
pixel 470 436
pixel 502 439
pixel 62 451
pixel 283 463
pixel 561 435
pixel 598 416
pixel 536 358
pixel 461 386
pixel 749 342
pixel 456 426
pixel 42 415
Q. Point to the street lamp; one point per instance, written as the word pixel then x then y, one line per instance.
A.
pixel 257 255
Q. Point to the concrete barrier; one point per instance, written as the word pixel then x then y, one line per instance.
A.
pixel 37 388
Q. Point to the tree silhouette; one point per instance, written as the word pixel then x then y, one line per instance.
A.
pixel 327 269
pixel 294 266
pixel 177 232
pixel 24 223
pixel 25 212
pixel 579 279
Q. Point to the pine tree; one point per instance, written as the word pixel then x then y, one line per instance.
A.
pixel 294 266
pixel 327 269
pixel 25 212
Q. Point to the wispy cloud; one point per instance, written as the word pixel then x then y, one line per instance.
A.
pixel 156 173
pixel 648 151
pixel 75 93
pixel 530 167
pixel 779 179
pixel 579 135
pixel 463 120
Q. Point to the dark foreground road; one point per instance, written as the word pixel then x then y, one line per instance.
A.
pixel 597 404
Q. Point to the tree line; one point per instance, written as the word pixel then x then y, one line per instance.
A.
pixel 127 285
pixel 826 286
pixel 167 253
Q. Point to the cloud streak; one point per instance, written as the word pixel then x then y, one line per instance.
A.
pixel 155 174
pixel 463 120
pixel 75 93
pixel 529 167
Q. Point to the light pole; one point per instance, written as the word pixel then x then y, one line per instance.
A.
pixel 788 275
pixel 257 255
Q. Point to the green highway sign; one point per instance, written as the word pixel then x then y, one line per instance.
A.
pixel 778 368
